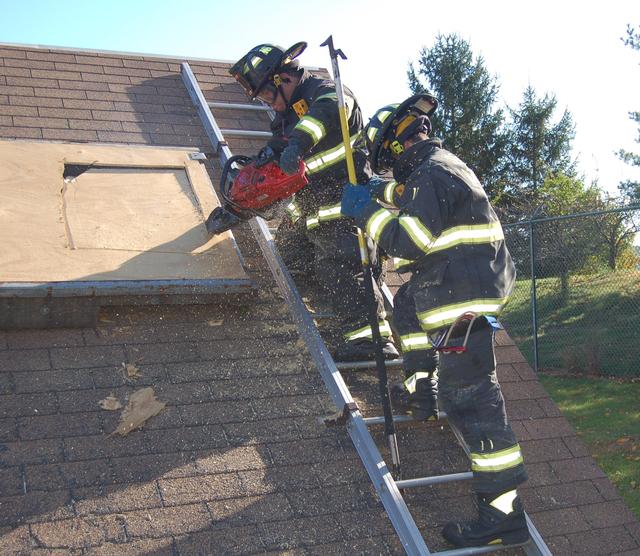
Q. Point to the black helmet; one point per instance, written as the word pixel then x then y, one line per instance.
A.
pixel 254 70
pixel 393 124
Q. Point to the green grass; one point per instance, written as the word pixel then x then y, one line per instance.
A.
pixel 596 332
pixel 606 416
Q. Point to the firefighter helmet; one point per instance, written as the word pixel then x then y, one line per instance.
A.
pixel 393 124
pixel 258 66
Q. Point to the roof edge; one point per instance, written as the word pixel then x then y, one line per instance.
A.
pixel 123 53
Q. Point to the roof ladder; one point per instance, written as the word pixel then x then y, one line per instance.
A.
pixel 386 487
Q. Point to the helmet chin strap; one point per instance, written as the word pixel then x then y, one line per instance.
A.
pixel 278 81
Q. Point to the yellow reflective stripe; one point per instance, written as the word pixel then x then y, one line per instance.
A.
pixel 504 502
pixel 293 211
pixel 324 214
pixel 388 192
pixel 366 333
pixel 415 341
pixel 383 115
pixel 410 383
pixel 312 127
pixel 329 213
pixel 398 263
pixel 442 316
pixel 332 96
pixel 349 102
pixel 417 232
pixel 371 133
pixel 497 461
pixel 458 235
pixel 377 222
pixel 473 234
pixel 329 157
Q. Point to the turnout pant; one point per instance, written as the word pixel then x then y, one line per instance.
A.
pixel 330 251
pixel 468 391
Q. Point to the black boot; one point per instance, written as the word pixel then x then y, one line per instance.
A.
pixel 364 350
pixel 493 525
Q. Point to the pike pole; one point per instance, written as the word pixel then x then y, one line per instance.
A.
pixel 389 427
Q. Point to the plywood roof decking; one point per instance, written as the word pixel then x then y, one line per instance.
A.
pixel 109 223
pixel 237 463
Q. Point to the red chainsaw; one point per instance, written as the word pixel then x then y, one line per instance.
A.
pixel 249 187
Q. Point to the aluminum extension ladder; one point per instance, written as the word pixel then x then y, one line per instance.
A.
pixel 386 487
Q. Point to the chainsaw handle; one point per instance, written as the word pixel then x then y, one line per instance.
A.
pixel 226 183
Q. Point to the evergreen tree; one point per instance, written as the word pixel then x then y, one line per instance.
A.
pixel 537 148
pixel 631 189
pixel 466 119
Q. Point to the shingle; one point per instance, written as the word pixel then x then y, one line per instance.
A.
pixel 35 101
pixel 50 56
pixel 25 121
pixel 79 532
pixel 20 132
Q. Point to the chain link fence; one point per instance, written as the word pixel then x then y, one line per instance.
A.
pixel 576 304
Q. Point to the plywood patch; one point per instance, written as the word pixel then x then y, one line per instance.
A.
pixel 136 214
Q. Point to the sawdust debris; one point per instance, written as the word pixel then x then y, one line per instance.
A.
pixel 110 403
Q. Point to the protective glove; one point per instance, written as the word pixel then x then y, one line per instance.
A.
pixel 354 199
pixel 265 155
pixel 290 159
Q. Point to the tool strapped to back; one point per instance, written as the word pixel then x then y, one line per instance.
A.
pixel 250 188
pixel 462 328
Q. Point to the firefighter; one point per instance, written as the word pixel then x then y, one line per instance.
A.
pixel 307 127
pixel 447 235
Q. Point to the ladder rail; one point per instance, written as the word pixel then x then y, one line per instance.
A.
pixel 385 486
pixel 357 426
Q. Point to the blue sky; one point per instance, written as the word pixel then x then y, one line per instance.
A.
pixel 572 50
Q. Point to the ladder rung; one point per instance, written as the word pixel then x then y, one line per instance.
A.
pixel 235 106
pixel 245 133
pixel 380 420
pixel 473 550
pixel 356 365
pixel 398 419
pixel 436 479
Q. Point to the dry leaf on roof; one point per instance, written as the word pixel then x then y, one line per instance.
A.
pixel 142 405
pixel 215 322
pixel 110 403
pixel 131 370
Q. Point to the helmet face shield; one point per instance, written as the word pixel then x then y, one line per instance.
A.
pixel 244 83
pixel 267 93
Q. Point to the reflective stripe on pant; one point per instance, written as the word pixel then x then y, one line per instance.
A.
pixel 417 352
pixel 365 332
pixel 470 394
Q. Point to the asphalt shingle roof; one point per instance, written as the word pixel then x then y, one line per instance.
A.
pixel 237 462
